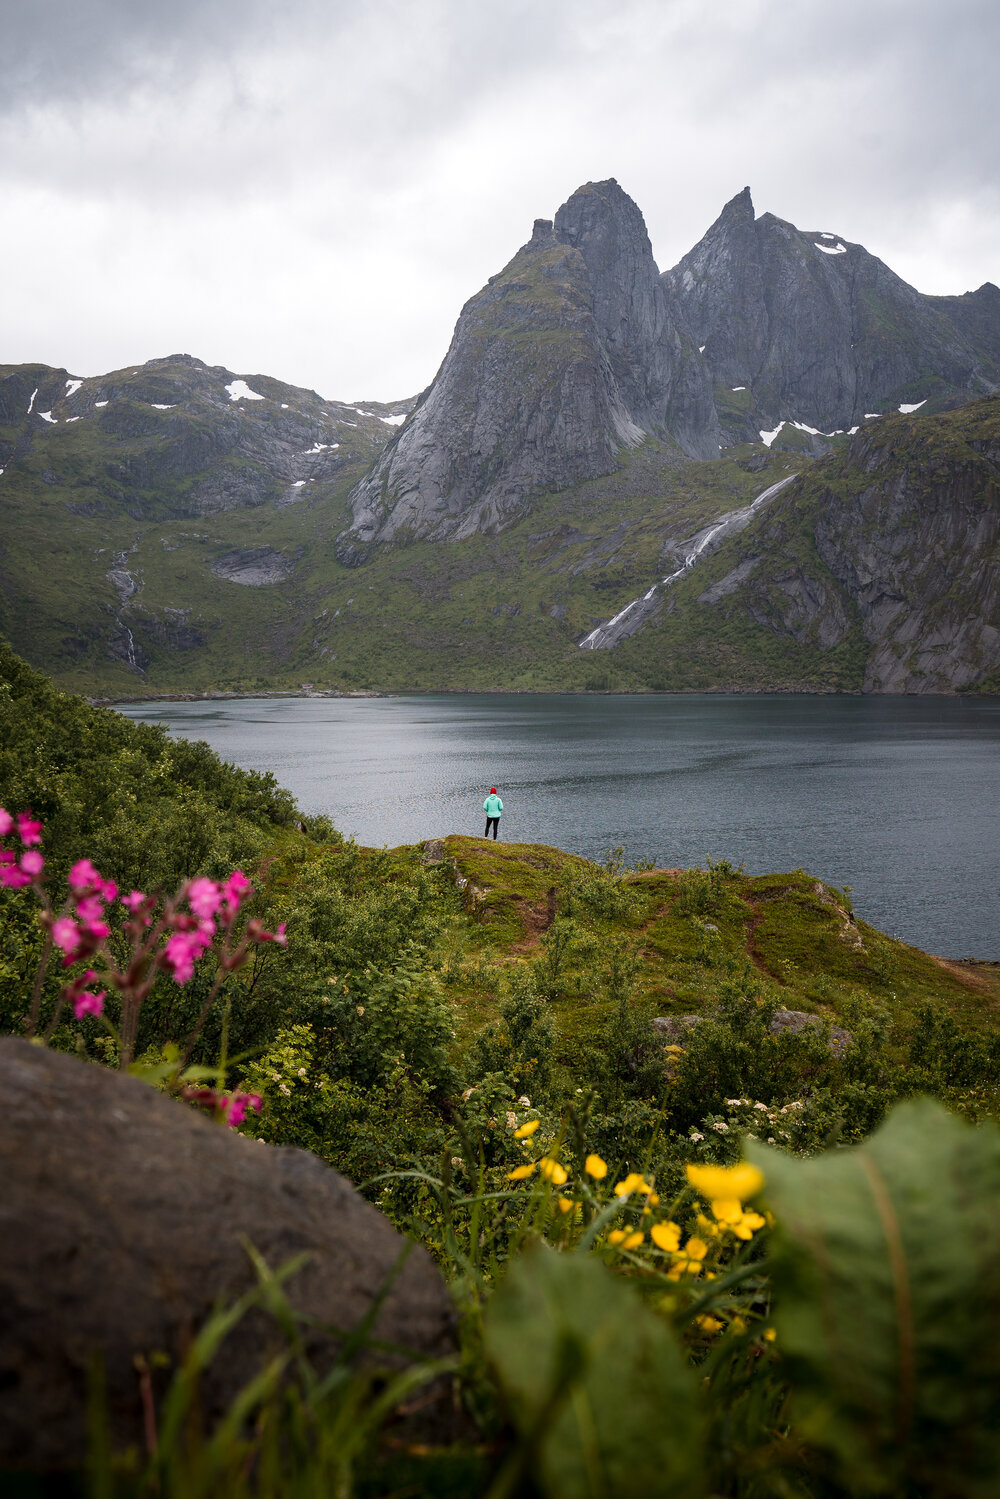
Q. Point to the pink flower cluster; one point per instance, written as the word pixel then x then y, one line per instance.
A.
pixel 163 936
pixel 79 936
pixel 17 871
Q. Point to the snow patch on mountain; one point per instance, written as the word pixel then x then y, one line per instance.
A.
pixel 239 390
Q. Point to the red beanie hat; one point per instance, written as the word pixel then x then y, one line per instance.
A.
pixel 492 790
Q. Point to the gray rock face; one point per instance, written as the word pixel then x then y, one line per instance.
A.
pixel 564 359
pixel 120 1222
pixel 676 1029
pixel 255 567
pixel 916 547
pixel 815 329
pixel 899 534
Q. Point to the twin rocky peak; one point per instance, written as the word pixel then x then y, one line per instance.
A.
pixel 580 349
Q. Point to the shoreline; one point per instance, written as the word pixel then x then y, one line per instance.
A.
pixel 213 695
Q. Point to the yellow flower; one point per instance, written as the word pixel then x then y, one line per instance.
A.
pixel 769 1334
pixel 527 1129
pixel 706 1228
pixel 519 1173
pixel 666 1236
pixel 595 1167
pixel 552 1171
pixel 727 1209
pixel 696 1249
pixel 632 1183
pixel 684 1267
pixel 748 1222
pixel 565 1204
pixel 708 1324
pixel 717 1183
pixel 625 1237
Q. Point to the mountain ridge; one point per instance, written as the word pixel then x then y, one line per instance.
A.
pixel 178 526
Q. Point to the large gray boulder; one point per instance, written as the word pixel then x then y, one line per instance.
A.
pixel 121 1218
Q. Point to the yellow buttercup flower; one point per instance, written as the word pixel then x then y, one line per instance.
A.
pixel 527 1129
pixel 666 1236
pixel 720 1183
pixel 552 1171
pixel 727 1209
pixel 708 1324
pixel 747 1224
pixel 626 1238
pixel 565 1204
pixel 519 1173
pixel 684 1267
pixel 595 1167
pixel 696 1249
pixel 634 1182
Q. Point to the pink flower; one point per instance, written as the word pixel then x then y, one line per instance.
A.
pixel 235 1108
pixel 13 877
pixel 7 856
pixel 88 1004
pixel 236 889
pixel 134 901
pixel 84 876
pixel 89 908
pixel 6 822
pixel 181 951
pixel 204 897
pixel 108 889
pixel 66 934
pixel 29 829
pixel 32 862
pixel 97 930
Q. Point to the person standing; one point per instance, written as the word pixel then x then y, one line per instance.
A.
pixel 492 806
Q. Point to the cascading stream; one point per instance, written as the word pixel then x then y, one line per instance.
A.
pixel 628 620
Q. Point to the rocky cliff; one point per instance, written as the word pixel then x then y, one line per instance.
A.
pixel 565 359
pixel 808 328
pixel 874 570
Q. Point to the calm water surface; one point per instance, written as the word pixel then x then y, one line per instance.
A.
pixel 897 797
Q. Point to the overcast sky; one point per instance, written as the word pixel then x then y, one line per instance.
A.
pixel 311 189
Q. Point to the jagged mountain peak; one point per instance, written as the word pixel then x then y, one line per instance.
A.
pixel 809 328
pixel 565 357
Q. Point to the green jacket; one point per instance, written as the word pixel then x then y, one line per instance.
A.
pixel 492 806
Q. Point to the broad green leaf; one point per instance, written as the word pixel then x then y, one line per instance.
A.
pixel 596 1384
pixel 887 1302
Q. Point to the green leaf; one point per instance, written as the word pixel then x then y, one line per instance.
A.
pixel 596 1384
pixel 887 1295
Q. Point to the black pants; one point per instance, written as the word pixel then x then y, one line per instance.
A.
pixel 494 823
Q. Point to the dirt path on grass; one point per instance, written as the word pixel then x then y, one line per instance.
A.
pixel 537 916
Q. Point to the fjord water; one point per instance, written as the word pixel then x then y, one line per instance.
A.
pixel 898 797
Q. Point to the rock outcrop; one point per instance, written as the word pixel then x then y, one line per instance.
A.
pixel 121 1219
pixel 563 360
pixel 807 327
pixel 894 541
